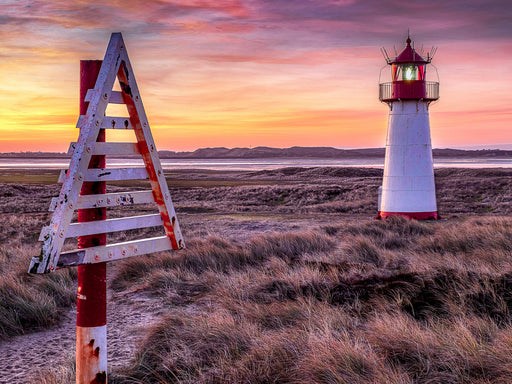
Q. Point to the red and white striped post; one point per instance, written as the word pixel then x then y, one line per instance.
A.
pixel 91 320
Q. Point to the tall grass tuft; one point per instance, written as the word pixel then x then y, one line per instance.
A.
pixel 64 374
pixel 29 303
pixel 289 246
pixel 189 349
pixel 22 307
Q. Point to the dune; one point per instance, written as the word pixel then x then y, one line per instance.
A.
pixel 286 277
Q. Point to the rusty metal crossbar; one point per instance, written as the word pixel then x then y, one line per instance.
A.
pixel 109 200
pixel 108 122
pixel 111 149
pixel 116 97
pixel 106 226
pixel 114 251
pixel 108 174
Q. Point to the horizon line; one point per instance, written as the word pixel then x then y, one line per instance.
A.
pixel 504 147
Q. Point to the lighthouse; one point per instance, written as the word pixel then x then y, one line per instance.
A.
pixel 408 187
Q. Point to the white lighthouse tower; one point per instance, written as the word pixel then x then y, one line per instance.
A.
pixel 408 187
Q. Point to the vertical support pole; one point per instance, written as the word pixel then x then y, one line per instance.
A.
pixel 91 322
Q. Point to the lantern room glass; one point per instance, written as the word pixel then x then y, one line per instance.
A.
pixel 408 72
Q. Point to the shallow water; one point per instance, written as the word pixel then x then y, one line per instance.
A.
pixel 251 164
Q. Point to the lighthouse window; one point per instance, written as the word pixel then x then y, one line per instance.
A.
pixel 410 73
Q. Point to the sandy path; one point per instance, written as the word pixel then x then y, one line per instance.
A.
pixel 128 314
pixel 23 354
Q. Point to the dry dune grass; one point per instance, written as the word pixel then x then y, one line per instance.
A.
pixel 346 190
pixel 341 304
pixel 351 300
pixel 28 302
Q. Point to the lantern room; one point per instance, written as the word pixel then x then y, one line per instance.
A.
pixel 408 78
pixel 408 72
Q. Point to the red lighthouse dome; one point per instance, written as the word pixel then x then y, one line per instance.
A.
pixel 408 71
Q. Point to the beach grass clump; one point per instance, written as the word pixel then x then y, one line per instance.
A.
pixel 212 254
pixel 191 348
pixel 217 255
pixel 23 307
pixel 64 374
pixel 289 246
pixel 28 302
pixel 462 350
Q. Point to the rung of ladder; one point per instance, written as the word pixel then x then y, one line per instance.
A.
pixel 109 174
pixel 113 225
pixel 108 200
pixel 115 97
pixel 117 251
pixel 109 122
pixel 114 149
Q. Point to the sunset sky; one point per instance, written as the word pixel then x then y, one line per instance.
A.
pixel 240 73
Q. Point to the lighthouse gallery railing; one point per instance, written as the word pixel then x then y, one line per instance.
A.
pixel 408 90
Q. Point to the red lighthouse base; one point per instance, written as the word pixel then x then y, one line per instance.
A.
pixel 410 215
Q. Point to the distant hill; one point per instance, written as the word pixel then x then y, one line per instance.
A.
pixel 320 152
pixel 293 152
pixel 487 153
pixel 267 152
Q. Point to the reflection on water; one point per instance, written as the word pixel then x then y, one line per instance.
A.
pixel 251 164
